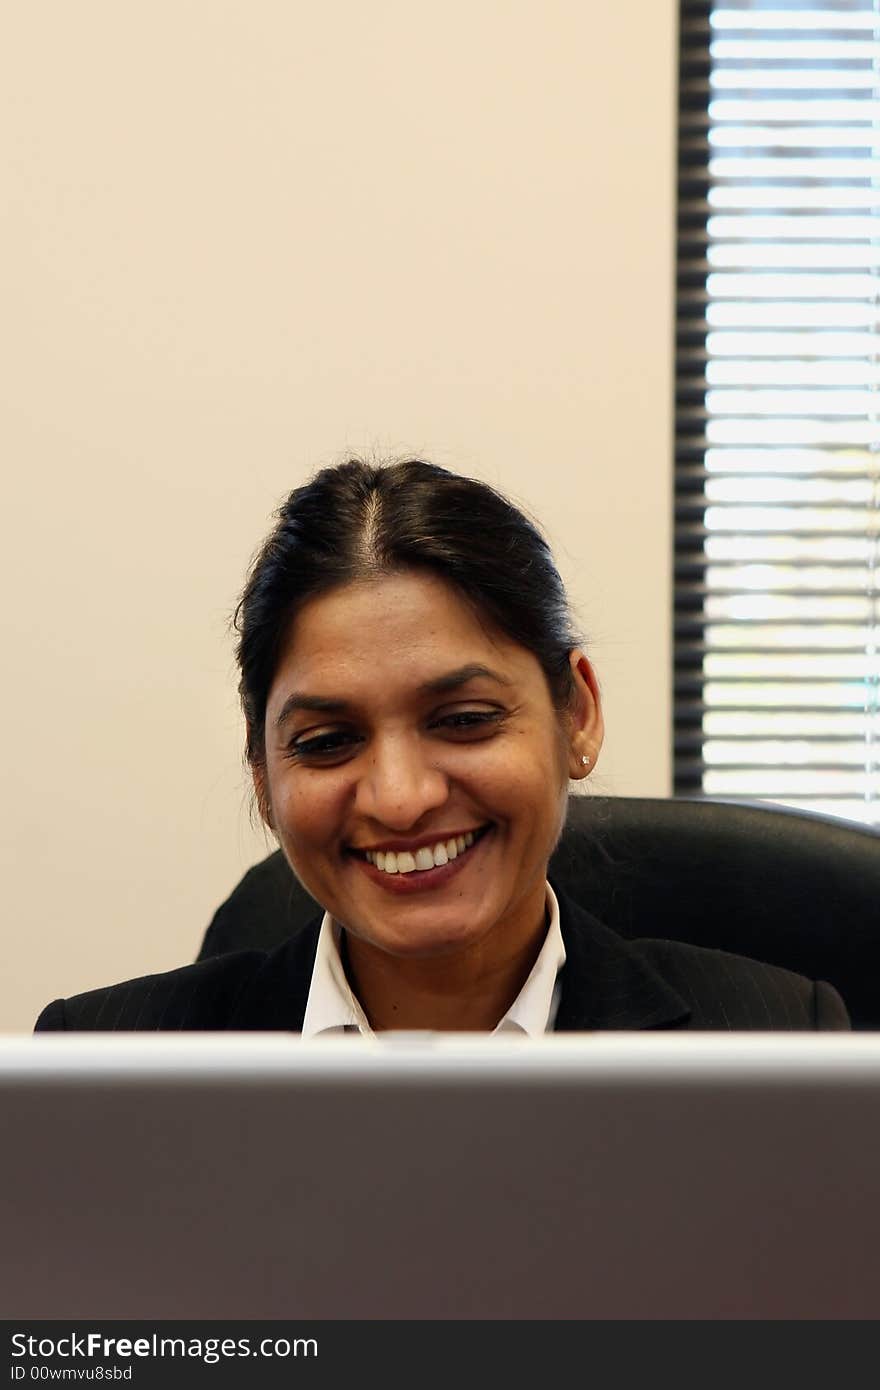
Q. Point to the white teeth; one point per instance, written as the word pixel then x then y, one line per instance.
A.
pixel 428 857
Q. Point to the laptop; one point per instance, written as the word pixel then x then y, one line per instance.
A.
pixel 591 1176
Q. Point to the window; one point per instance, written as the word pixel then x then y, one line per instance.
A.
pixel 777 465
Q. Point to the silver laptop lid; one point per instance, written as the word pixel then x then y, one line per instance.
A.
pixel 429 1176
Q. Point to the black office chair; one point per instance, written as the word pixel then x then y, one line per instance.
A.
pixel 786 887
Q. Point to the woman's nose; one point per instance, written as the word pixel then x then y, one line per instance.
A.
pixel 399 784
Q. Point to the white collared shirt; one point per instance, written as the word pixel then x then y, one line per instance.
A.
pixel 332 1007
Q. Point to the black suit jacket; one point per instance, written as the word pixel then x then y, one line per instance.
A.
pixel 607 983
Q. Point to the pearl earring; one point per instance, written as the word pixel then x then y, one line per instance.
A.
pixel 585 760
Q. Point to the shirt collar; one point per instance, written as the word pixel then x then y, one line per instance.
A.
pixel 332 1007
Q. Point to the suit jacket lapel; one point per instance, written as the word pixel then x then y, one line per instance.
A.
pixel 607 983
pixel 275 999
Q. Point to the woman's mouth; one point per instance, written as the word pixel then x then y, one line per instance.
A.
pixel 426 867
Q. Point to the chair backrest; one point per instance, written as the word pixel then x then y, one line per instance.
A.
pixel 790 888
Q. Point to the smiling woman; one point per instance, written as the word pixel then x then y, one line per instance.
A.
pixel 416 780
pixel 416 705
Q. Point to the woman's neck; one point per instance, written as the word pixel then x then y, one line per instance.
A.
pixel 461 992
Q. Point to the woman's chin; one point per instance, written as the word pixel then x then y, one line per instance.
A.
pixel 422 941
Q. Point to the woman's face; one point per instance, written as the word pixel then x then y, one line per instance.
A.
pixel 396 725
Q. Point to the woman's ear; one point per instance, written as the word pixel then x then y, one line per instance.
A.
pixel 587 727
pixel 264 806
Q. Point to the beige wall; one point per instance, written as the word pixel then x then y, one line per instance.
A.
pixel 238 241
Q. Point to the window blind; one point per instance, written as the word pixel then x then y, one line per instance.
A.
pixel 777 465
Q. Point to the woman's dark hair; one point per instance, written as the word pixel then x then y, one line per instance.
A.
pixel 360 520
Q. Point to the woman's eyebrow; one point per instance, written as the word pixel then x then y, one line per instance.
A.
pixel 319 703
pixel 453 679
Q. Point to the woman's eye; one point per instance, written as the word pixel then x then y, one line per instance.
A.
pixel 471 720
pixel 322 746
